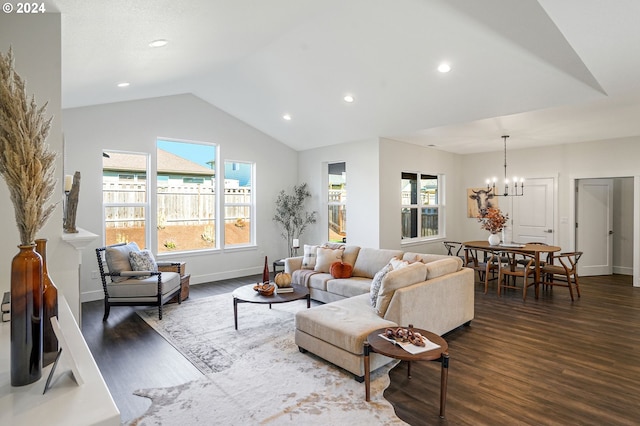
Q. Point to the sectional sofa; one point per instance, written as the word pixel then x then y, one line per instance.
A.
pixel 432 292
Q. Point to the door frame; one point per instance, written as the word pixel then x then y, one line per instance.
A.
pixel 636 216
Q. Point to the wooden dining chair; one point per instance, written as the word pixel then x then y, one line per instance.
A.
pixel 564 273
pixel 485 263
pixel 511 268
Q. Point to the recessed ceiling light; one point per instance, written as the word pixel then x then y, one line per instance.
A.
pixel 349 98
pixel 123 84
pixel 158 43
pixel 444 67
pixel 286 117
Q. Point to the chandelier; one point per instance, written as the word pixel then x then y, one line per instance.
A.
pixel 516 190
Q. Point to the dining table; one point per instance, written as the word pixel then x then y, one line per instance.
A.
pixel 530 248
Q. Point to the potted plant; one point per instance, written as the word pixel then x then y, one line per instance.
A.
pixel 291 215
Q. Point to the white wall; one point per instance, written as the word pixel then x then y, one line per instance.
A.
pixel 565 162
pixel 36 43
pixel 397 157
pixel 363 197
pixel 134 126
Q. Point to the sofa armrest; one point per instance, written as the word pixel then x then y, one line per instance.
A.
pixel 438 305
pixel 292 264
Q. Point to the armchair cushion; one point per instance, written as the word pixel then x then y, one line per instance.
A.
pixel 143 260
pixel 118 259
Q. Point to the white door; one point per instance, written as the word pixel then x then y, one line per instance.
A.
pixel 533 212
pixel 594 227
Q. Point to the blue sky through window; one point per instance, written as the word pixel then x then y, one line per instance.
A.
pixel 198 153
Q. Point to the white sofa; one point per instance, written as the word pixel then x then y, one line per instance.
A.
pixel 435 294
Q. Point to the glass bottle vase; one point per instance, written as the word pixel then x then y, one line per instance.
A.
pixel 265 271
pixel 26 316
pixel 49 308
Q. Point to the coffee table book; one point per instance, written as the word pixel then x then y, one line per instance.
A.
pixel 282 290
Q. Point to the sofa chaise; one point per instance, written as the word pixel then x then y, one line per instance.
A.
pixel 432 292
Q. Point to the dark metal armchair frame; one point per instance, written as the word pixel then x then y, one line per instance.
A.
pixel 159 302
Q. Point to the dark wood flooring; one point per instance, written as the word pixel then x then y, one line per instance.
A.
pixel 540 362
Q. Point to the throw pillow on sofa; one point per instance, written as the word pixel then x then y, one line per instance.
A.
pixel 325 257
pixel 409 275
pixel 341 270
pixel 377 283
pixel 309 257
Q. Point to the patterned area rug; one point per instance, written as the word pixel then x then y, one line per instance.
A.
pixel 255 375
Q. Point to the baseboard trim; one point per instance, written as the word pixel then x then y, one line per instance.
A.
pixel 623 270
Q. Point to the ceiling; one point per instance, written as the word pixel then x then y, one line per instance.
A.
pixel 545 72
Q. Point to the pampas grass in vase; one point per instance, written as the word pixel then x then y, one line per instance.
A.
pixel 28 168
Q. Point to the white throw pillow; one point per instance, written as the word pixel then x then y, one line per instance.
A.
pixel 398 264
pixel 117 259
pixel 325 257
pixel 309 257
pixel 377 282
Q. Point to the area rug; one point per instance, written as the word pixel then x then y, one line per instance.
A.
pixel 255 375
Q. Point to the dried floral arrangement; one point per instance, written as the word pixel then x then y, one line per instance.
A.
pixel 493 221
pixel 26 163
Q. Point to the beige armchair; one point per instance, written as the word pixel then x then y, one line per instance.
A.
pixel 134 279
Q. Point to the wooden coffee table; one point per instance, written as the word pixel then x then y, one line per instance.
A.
pixel 246 294
pixel 377 344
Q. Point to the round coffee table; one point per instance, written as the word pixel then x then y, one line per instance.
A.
pixel 377 344
pixel 246 294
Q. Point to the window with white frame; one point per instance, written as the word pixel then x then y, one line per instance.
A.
pixel 239 203
pixel 337 202
pixel 421 206
pixel 185 195
pixel 125 197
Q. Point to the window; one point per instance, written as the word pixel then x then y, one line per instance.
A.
pixel 186 195
pixel 337 202
pixel 421 206
pixel 124 197
pixel 238 203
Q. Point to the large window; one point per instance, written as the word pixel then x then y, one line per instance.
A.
pixel 421 205
pixel 337 202
pixel 124 197
pixel 238 203
pixel 186 196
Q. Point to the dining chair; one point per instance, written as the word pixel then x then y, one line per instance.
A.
pixel 511 268
pixel 454 248
pixel 564 273
pixel 485 263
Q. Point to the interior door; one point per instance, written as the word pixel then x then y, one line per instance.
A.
pixel 594 226
pixel 532 215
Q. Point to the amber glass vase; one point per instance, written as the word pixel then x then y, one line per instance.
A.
pixel 49 308
pixel 26 316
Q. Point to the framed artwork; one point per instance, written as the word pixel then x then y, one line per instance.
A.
pixel 64 347
pixel 479 199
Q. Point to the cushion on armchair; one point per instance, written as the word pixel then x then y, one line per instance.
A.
pixel 118 259
pixel 143 260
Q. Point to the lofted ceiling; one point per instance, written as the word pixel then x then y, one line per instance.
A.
pixel 544 71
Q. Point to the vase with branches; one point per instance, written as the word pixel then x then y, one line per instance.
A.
pixel 28 167
pixel 291 215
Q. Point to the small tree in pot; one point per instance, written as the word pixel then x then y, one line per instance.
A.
pixel 290 214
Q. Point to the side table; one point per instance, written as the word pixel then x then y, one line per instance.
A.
pixel 278 264
pixel 377 344
pixel 179 267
